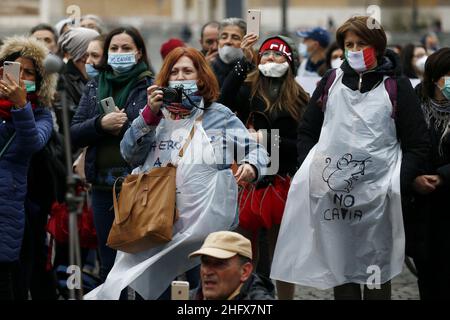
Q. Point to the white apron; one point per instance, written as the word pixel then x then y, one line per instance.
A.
pixel 206 199
pixel 343 217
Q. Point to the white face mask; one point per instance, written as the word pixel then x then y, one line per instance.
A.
pixel 229 54
pixel 336 63
pixel 273 69
pixel 420 64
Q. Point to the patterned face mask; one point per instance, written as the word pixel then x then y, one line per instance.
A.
pixel 362 60
pixel 122 62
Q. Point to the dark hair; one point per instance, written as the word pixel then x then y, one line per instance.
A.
pixel 210 23
pixel 243 260
pixel 437 65
pixel 45 26
pixel 331 48
pixel 375 37
pixel 406 60
pixel 137 39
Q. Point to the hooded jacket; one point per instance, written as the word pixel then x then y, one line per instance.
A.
pixel 410 125
pixel 33 129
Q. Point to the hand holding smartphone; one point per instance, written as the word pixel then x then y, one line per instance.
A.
pixel 180 290
pixel 108 105
pixel 253 21
pixel 11 68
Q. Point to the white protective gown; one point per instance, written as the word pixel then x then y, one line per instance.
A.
pixel 206 200
pixel 343 217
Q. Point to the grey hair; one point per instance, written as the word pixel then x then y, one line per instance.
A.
pixel 97 19
pixel 234 22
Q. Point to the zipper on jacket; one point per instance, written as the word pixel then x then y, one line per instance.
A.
pixel 360 78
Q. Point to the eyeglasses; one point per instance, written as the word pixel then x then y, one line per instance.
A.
pixel 268 53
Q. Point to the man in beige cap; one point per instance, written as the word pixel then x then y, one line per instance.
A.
pixel 226 270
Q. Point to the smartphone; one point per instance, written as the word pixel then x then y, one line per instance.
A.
pixel 180 290
pixel 253 21
pixel 13 69
pixel 108 105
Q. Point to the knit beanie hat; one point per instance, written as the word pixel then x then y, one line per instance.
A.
pixel 284 45
pixel 169 45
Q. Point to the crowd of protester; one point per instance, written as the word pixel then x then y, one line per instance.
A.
pixel 363 160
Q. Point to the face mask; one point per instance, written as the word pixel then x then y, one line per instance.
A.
pixel 446 88
pixel 30 86
pixel 420 64
pixel 362 60
pixel 228 54
pixel 273 69
pixel 336 63
pixel 122 62
pixel 189 86
pixel 303 50
pixel 91 71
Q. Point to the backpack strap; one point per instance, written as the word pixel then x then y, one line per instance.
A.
pixel 391 87
pixel 322 101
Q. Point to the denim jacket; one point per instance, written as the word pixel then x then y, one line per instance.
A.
pixel 224 130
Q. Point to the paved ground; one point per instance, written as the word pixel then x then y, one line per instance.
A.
pixel 404 287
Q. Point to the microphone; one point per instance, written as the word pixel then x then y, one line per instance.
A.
pixel 53 64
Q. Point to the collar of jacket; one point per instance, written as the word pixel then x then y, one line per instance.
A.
pixel 144 82
pixel 73 73
pixel 256 288
pixel 388 65
pixel 222 66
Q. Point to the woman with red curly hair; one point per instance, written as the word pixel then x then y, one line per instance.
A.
pixel 182 102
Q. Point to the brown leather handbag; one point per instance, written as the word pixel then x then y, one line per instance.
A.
pixel 145 210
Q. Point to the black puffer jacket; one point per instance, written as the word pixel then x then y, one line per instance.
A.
pixel 255 288
pixel 410 125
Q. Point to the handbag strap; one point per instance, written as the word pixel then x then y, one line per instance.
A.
pixel 189 139
pixel 117 218
pixel 7 144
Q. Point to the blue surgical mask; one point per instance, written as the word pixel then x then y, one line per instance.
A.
pixel 122 62
pixel 91 71
pixel 189 86
pixel 446 88
pixel 303 50
pixel 30 86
